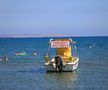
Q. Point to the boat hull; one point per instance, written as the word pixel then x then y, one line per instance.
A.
pixel 68 67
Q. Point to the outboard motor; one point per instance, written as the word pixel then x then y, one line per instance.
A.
pixel 58 63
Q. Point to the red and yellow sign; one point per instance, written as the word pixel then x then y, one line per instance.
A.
pixel 59 44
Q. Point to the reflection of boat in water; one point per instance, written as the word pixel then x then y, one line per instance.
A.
pixel 20 54
pixel 65 59
pixel 64 78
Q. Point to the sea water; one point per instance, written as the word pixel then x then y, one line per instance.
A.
pixel 28 72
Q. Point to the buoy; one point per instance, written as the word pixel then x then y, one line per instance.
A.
pixel 90 47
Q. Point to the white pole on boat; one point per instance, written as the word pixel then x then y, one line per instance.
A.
pixel 49 47
pixel 74 49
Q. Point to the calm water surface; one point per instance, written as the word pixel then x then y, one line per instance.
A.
pixel 28 72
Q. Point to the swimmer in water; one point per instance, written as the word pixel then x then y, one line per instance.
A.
pixel 5 58
pixel 34 54
pixel 0 59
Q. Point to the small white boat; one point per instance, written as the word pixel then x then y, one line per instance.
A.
pixel 65 58
pixel 20 54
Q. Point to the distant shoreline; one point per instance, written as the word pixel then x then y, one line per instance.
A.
pixel 45 36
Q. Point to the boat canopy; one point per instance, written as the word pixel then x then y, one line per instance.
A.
pixel 63 47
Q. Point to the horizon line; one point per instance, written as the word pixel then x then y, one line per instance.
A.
pixel 45 35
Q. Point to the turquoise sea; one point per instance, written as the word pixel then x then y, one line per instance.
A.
pixel 28 72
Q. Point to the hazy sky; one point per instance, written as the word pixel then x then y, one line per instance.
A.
pixel 69 17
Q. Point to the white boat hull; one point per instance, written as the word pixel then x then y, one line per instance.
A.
pixel 67 67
